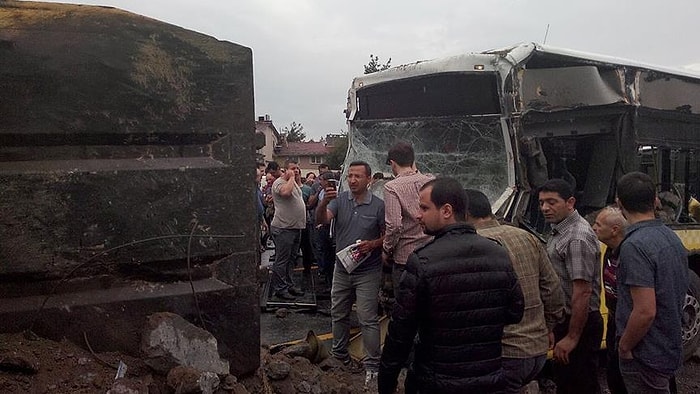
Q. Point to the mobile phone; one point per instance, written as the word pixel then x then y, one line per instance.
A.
pixel 334 183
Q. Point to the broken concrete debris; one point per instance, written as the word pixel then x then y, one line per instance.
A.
pixel 186 380
pixel 277 369
pixel 129 386
pixel 169 341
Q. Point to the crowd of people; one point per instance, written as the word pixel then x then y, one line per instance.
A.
pixel 478 303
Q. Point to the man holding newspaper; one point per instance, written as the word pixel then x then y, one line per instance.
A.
pixel 359 229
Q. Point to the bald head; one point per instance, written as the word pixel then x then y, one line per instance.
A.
pixel 610 226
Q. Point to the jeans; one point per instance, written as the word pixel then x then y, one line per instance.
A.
pixel 286 247
pixel 581 374
pixel 641 379
pixel 517 372
pixel 364 288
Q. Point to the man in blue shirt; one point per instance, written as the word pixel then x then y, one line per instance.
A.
pixel 652 279
pixel 359 216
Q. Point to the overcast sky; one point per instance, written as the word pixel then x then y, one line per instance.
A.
pixel 306 52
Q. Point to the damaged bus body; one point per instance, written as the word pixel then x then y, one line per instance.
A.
pixel 124 146
pixel 505 121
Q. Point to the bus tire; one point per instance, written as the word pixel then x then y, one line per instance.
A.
pixel 691 316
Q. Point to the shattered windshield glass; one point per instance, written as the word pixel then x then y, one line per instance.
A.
pixel 470 149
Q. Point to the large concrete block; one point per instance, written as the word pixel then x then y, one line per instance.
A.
pixel 127 171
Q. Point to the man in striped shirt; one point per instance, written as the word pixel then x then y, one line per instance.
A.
pixel 525 344
pixel 401 199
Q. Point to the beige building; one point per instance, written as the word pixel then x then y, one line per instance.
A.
pixel 273 139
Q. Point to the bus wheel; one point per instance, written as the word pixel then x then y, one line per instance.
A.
pixel 691 316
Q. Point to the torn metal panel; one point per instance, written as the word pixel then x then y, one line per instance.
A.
pixel 556 89
pixel 666 92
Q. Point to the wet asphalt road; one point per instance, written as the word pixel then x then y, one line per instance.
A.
pixel 275 330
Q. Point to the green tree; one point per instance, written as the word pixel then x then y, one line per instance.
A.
pixel 294 132
pixel 373 66
pixel 336 158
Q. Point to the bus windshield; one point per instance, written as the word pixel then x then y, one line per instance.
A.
pixel 471 149
pixel 451 118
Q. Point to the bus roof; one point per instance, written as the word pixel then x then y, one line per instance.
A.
pixel 502 60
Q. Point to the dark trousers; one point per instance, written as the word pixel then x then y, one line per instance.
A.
pixel 325 252
pixel 286 248
pixel 306 248
pixel 518 372
pixel 615 383
pixel 581 374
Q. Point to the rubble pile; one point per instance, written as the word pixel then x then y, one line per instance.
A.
pixel 177 357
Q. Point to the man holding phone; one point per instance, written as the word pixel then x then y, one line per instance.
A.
pixel 286 226
pixel 359 215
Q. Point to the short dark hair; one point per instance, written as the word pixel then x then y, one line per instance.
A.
pixel 637 192
pixel 259 164
pixel 479 206
pixel 378 175
pixel 327 175
pixel 402 154
pixel 449 191
pixel 368 169
pixel 272 166
pixel 288 162
pixel 559 186
pixel 323 165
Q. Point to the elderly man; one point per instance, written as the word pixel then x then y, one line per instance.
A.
pixel 525 344
pixel 609 227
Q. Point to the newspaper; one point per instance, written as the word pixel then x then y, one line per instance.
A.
pixel 351 257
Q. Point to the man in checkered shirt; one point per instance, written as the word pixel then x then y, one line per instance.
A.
pixel 525 344
pixel 403 231
pixel 575 254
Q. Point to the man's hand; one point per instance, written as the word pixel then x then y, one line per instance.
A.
pixel 625 355
pixel 329 194
pixel 288 175
pixel 563 348
pixel 550 336
pixel 386 259
pixel 366 247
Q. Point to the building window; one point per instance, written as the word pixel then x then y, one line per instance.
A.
pixel 316 159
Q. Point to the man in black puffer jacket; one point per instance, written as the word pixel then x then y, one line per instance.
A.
pixel 457 294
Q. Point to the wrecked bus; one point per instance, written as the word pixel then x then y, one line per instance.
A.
pixel 504 121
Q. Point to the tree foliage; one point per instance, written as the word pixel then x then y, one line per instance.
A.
pixel 374 65
pixel 294 132
pixel 336 158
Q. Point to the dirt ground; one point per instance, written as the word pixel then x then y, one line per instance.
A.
pixel 44 366
pixel 63 367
